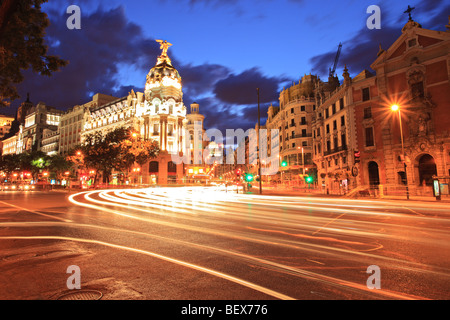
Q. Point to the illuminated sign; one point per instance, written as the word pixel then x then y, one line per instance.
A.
pixel 436 188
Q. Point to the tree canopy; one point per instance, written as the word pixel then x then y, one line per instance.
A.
pixel 22 31
pixel 115 150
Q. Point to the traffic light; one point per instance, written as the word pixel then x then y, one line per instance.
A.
pixel 284 164
pixel 357 156
pixel 249 177
pixel 238 172
pixel 309 179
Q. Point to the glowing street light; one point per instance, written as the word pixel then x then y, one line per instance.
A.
pixel 396 108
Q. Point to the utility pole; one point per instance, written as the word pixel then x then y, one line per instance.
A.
pixel 259 146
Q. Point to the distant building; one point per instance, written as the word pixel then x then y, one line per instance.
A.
pixel 10 145
pixel 50 142
pixel 73 122
pixel 24 109
pixel 37 120
pixel 293 119
pixel 5 125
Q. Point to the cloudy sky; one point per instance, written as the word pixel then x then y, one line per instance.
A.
pixel 223 49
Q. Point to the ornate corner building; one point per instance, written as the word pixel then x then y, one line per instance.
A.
pixel 358 140
pixel 158 114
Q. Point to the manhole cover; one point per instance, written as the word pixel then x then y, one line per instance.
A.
pixel 81 295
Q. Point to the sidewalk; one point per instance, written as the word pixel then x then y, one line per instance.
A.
pixel 317 194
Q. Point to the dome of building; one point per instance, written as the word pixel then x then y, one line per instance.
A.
pixel 163 80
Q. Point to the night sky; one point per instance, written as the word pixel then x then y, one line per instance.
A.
pixel 223 49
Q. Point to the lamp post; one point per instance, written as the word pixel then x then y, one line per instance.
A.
pixel 259 146
pixel 396 108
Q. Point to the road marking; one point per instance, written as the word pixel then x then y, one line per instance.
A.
pixel 327 224
pixel 35 212
pixel 414 211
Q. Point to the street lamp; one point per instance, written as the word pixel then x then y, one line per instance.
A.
pixel 259 142
pixel 396 108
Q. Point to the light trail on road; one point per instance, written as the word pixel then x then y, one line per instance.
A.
pixel 207 206
pixel 274 245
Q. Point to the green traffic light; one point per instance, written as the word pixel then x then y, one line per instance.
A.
pixel 249 178
pixel 309 180
pixel 284 164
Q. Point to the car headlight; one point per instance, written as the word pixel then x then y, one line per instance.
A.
pixel 14 188
pixel 27 187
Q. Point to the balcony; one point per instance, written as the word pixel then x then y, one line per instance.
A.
pixel 335 150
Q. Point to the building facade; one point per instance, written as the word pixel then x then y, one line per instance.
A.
pixel 37 120
pixel 293 118
pixel 414 74
pixel 73 122
pixel 157 114
pixel 360 141
pixel 5 125
pixel 10 145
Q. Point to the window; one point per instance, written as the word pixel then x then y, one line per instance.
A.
pixel 304 134
pixel 303 121
pixel 343 121
pixel 333 108
pixel 334 125
pixel 328 145
pixel 368 113
pixel 327 113
pixel 328 128
pixel 292 111
pixel 303 108
pixel 341 103
pixel 305 143
pixel 343 141
pixel 335 141
pixel 318 132
pixel 366 94
pixel 369 137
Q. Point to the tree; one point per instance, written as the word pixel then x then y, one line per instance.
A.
pixel 22 31
pixel 116 150
pixel 10 163
pixel 59 165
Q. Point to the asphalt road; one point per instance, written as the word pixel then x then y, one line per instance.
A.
pixel 206 244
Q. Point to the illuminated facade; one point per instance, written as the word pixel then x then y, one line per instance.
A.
pixel 10 145
pixel 157 114
pixel 5 125
pixel 37 120
pixel 293 120
pixel 357 137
